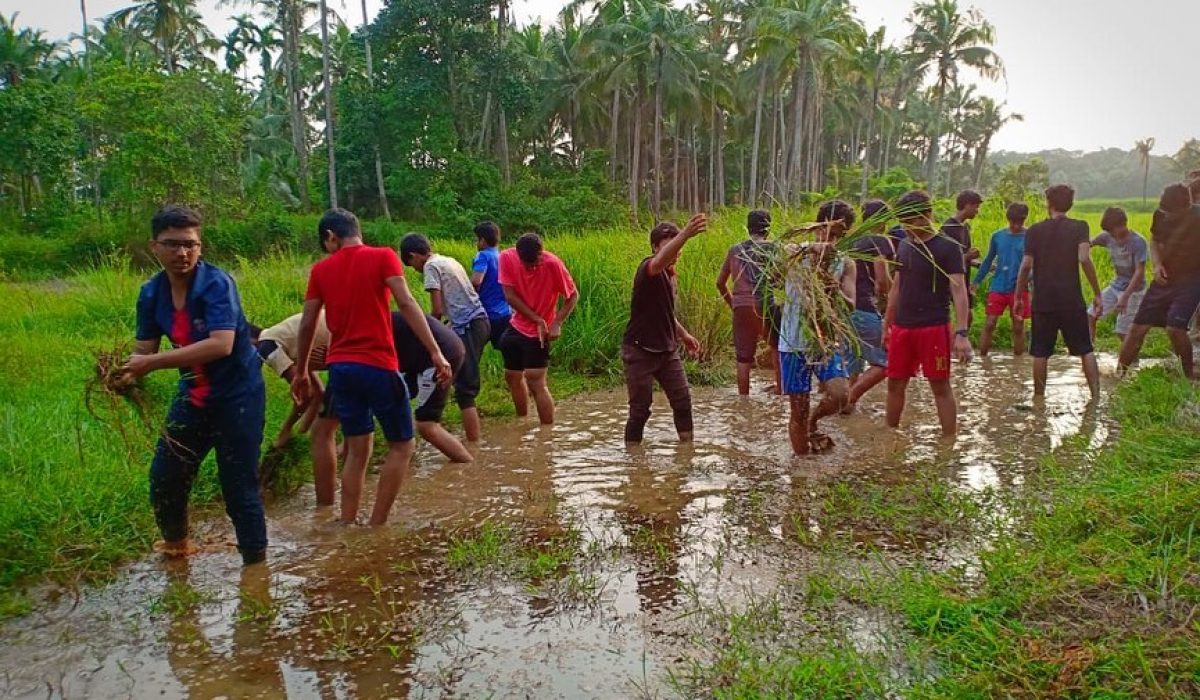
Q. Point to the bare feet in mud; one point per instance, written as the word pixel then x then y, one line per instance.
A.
pixel 848 409
pixel 178 549
pixel 820 443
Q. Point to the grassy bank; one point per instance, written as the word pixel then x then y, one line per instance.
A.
pixel 1090 589
pixel 73 497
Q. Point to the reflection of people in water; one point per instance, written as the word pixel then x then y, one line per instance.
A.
pixel 651 517
pixel 205 671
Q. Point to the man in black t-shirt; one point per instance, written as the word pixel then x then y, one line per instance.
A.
pixel 958 229
pixel 1173 296
pixel 875 253
pixel 421 378
pixel 1053 250
pixel 917 331
pixel 650 349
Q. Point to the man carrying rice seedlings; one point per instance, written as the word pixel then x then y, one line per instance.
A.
pixel 819 286
pixel 755 317
pixel 1174 293
pixel 1055 249
pixel 650 349
pixel 929 277
pixel 1129 253
pixel 533 281
pixel 221 400
pixel 353 285
pixel 1006 250
pixel 874 255
pixel 452 296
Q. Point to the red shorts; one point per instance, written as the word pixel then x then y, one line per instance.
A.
pixel 927 348
pixel 999 302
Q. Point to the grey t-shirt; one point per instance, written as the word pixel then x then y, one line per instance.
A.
pixel 458 296
pixel 1126 257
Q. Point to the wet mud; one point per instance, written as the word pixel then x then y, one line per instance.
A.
pixel 562 563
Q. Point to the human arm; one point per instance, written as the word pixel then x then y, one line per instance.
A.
pixel 301 377
pixel 962 314
pixel 478 270
pixel 889 314
pixel 1139 278
pixel 723 282
pixel 218 344
pixel 848 282
pixel 1156 261
pixel 518 305
pixel 689 341
pixel 986 266
pixel 420 327
pixel 560 317
pixel 883 277
pixel 1089 270
pixel 1023 285
pixel 436 305
pixel 669 252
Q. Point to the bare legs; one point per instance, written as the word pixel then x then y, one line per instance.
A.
pixel 472 426
pixel 798 423
pixel 392 476
pixel 985 339
pixel 1091 370
pixel 1040 370
pixel 943 399
pixel 1018 335
pixel 866 381
pixel 518 390
pixel 446 443
pixel 802 421
pixel 743 378
pixel 324 457
pixel 536 379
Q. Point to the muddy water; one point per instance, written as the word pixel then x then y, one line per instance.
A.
pixel 560 564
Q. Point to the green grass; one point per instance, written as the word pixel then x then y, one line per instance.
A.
pixel 73 491
pixel 1093 591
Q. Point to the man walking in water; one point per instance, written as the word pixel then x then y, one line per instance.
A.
pixel 650 350
pixel 754 313
pixel 1006 251
pixel 929 277
pixel 872 282
pixel 533 280
pixel 1054 249
pixel 220 402
pixel 1129 253
pixel 353 285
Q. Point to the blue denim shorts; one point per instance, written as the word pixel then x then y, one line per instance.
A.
pixel 362 394
pixel 798 372
pixel 869 350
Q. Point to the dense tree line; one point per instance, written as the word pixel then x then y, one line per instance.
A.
pixel 446 110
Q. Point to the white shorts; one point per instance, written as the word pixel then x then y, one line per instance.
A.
pixel 1109 299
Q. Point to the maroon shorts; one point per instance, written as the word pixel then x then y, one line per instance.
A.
pixel 749 328
pixel 927 349
pixel 999 302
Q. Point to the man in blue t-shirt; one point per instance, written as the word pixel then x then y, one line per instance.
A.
pixel 221 400
pixel 1006 251
pixel 485 276
pixel 1129 253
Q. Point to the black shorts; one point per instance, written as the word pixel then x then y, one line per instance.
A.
pixel 522 352
pixel 429 396
pixel 499 325
pixel 1072 323
pixel 1169 304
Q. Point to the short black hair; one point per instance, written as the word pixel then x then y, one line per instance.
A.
pixel 1060 197
pixel 836 210
pixel 913 204
pixel 488 232
pixel 758 222
pixel 414 243
pixel 173 216
pixel 342 222
pixel 875 210
pixel 966 198
pixel 1017 211
pixel 661 232
pixel 1175 198
pixel 1114 217
pixel 529 248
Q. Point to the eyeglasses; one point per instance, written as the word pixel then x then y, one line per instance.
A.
pixel 174 244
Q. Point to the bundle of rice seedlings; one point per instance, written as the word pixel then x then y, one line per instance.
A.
pixel 111 395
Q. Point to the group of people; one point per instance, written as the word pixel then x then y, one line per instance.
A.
pixel 904 281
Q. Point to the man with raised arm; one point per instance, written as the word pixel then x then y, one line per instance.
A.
pixel 929 281
pixel 352 285
pixel 650 349
pixel 221 400
pixel 1055 250
pixel 534 281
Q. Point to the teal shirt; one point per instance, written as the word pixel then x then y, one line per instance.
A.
pixel 1006 251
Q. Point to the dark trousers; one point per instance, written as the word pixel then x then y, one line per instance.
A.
pixel 466 381
pixel 234 429
pixel 642 369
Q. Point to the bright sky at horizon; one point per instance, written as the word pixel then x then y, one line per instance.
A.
pixel 1041 41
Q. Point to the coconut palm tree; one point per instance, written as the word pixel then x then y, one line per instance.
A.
pixel 172 27
pixel 945 38
pixel 1143 148
pixel 23 53
pixel 985 121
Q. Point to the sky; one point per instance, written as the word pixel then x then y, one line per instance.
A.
pixel 1085 74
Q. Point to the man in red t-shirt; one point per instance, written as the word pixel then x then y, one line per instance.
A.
pixel 353 285
pixel 533 281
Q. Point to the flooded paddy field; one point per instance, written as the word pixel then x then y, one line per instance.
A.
pixel 563 563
